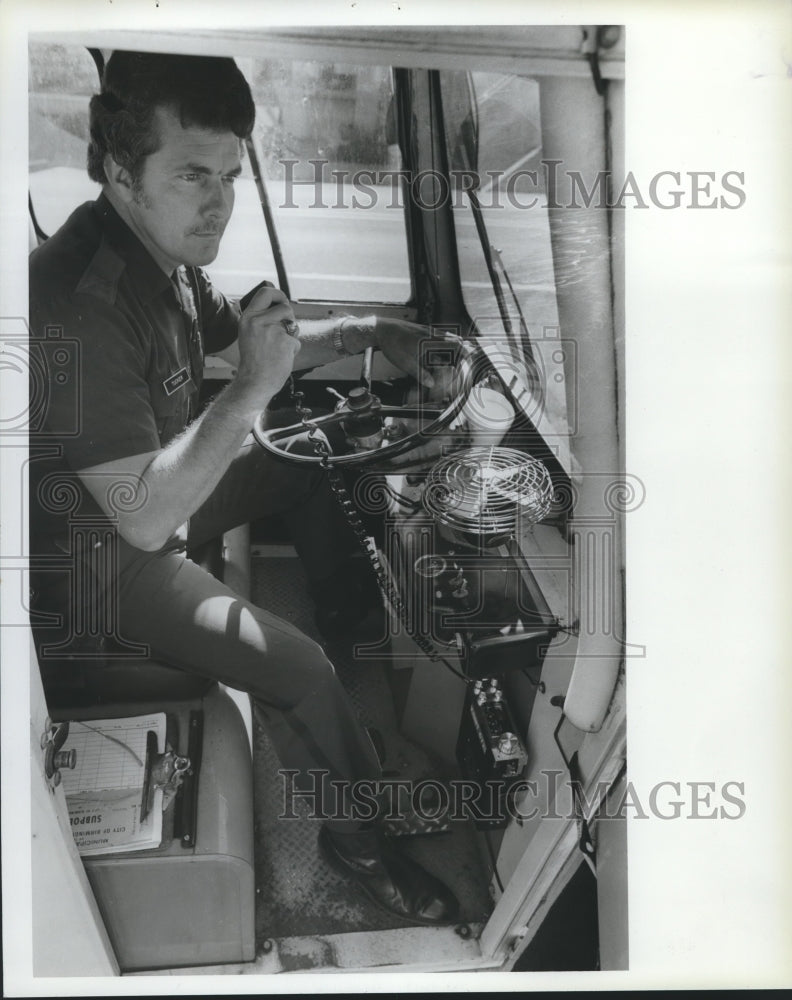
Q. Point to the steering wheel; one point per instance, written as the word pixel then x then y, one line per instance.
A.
pixel 361 404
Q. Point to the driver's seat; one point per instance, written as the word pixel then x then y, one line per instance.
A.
pixel 190 901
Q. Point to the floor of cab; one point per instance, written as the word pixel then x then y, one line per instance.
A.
pixel 297 893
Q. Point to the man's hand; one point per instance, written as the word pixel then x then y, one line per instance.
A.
pixel 400 341
pixel 266 350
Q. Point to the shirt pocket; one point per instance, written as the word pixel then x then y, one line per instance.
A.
pixel 171 413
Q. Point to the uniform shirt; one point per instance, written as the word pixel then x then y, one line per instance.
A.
pixel 134 340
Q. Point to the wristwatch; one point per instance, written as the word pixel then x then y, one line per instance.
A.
pixel 337 339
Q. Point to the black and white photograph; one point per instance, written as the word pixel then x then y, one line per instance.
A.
pixel 393 492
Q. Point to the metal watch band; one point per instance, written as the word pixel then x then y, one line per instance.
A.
pixel 337 339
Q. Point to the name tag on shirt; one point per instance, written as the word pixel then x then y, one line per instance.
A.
pixel 176 381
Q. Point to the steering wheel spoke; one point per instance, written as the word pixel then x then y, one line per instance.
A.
pixel 276 434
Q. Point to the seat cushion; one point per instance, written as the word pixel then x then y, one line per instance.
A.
pixel 83 683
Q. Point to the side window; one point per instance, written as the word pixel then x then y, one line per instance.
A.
pixel 325 143
pixel 61 80
pixel 493 136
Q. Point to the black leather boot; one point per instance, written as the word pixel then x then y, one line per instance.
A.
pixel 396 883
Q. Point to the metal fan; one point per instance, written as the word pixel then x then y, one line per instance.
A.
pixel 488 491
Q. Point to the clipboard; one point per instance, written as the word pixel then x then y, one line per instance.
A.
pixel 113 802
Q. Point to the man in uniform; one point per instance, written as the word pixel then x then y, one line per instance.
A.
pixel 123 278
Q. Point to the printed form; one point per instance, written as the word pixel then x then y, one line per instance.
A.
pixel 105 791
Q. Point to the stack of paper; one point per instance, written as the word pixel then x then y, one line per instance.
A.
pixel 107 791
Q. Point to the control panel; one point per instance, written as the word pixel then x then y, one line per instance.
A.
pixel 489 748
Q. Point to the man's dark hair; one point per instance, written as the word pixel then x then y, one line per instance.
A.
pixel 202 91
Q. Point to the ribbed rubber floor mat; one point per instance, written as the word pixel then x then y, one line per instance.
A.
pixel 297 892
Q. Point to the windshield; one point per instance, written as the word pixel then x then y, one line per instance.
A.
pixel 493 136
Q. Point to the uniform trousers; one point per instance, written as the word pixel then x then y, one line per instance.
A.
pixel 190 620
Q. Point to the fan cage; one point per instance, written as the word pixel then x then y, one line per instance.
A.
pixel 488 490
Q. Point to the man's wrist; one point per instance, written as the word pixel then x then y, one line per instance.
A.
pixel 247 395
pixel 353 334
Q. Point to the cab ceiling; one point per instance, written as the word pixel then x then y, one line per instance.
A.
pixel 538 50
